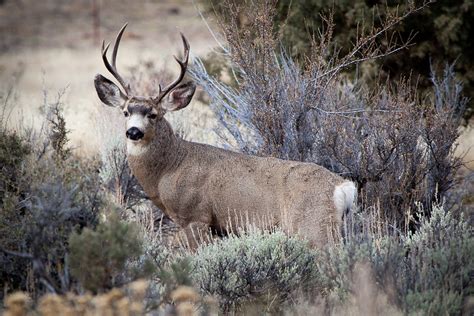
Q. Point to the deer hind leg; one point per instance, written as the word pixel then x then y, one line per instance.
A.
pixel 194 234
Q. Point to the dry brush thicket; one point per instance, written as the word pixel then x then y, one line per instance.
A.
pixel 77 235
pixel 397 146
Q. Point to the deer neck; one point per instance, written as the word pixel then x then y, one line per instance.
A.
pixel 149 161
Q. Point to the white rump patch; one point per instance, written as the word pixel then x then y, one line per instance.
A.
pixel 344 197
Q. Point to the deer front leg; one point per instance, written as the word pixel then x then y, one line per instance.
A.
pixel 194 235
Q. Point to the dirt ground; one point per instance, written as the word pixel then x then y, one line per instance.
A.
pixel 49 45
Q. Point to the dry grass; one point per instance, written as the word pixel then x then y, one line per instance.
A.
pixel 55 50
pixel 125 301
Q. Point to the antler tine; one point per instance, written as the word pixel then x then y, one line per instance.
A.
pixel 113 68
pixel 183 64
pixel 117 43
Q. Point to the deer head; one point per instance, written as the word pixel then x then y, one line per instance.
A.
pixel 143 112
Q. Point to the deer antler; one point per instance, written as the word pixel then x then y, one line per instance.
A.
pixel 183 64
pixel 113 68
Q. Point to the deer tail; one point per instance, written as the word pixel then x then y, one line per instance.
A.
pixel 345 195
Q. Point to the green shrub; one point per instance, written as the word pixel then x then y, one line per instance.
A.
pixel 43 200
pixel 51 202
pixel 429 271
pixel 174 274
pixel 257 265
pixel 380 253
pixel 99 258
pixel 13 153
pixel 58 132
pixel 440 265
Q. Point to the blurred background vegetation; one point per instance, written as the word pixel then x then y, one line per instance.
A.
pixel 443 32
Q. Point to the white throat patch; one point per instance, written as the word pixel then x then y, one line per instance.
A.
pixel 136 148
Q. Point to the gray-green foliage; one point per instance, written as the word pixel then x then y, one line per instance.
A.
pixel 13 153
pixel 58 132
pixel 427 271
pixel 47 201
pixel 336 264
pixel 249 267
pixel 60 200
pixel 42 200
pixel 440 264
pixel 99 258
pixel 430 270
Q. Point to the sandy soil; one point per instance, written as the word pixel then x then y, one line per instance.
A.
pixel 54 44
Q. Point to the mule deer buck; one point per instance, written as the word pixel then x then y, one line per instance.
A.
pixel 204 188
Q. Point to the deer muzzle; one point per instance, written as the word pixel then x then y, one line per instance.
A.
pixel 134 133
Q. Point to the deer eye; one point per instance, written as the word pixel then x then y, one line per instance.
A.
pixel 126 113
pixel 152 116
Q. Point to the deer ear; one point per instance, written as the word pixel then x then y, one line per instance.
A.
pixel 179 97
pixel 108 91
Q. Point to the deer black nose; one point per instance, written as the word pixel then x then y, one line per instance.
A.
pixel 134 133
